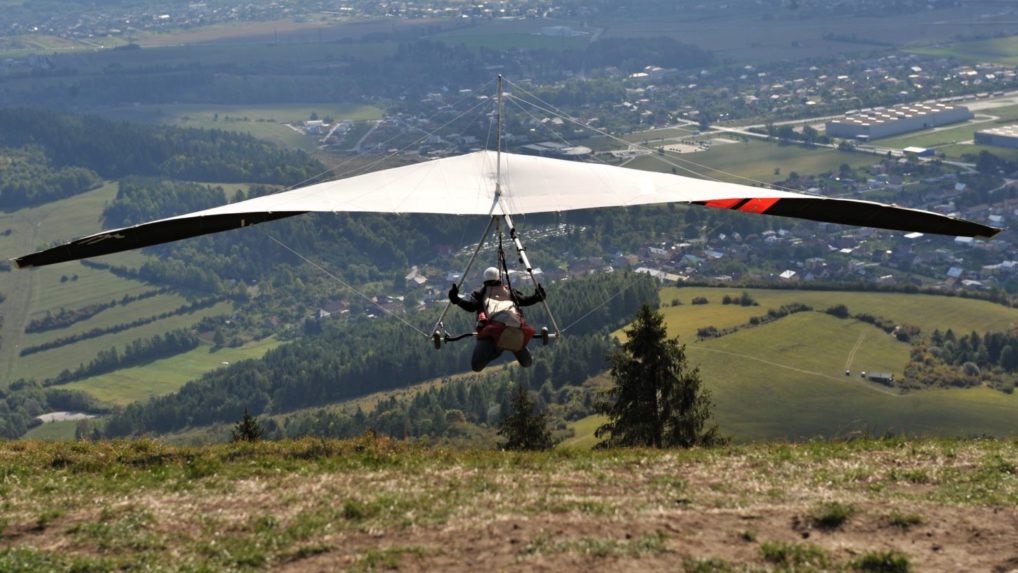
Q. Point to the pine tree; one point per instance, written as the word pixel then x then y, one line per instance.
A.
pixel 656 399
pixel 524 427
pixel 247 429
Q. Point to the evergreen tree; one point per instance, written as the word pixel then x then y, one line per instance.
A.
pixel 247 429
pixel 525 426
pixel 656 399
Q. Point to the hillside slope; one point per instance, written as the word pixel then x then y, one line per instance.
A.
pixel 374 504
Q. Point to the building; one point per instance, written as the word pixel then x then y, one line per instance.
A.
pixel 557 150
pixel 888 121
pixel 919 151
pixel 1006 136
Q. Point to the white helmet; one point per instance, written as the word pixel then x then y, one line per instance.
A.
pixel 491 274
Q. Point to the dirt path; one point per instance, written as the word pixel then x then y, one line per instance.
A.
pixel 851 354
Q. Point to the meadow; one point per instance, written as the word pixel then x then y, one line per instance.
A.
pixel 50 363
pixel 373 504
pixel 265 122
pixel 785 380
pixel 167 375
pixel 34 292
pixel 755 161
pixel 996 50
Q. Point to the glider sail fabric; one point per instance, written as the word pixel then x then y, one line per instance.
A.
pixel 467 185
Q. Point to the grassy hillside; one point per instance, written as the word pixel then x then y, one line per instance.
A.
pixel 786 379
pixel 164 376
pixel 369 505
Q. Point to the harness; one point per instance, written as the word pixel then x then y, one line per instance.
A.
pixel 501 319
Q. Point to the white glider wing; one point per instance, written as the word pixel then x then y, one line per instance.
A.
pixel 466 185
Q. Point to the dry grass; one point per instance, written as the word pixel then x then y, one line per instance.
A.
pixel 374 504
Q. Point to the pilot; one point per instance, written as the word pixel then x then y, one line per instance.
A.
pixel 500 324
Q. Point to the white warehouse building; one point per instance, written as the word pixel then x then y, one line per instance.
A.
pixel 887 121
pixel 1006 136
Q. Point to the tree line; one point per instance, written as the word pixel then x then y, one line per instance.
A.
pixel 352 358
pixel 136 353
pixel 65 317
pixel 103 331
pixel 946 359
pixel 24 400
pixel 27 178
pixel 119 149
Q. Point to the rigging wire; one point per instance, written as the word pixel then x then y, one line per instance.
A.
pixel 551 109
pixel 349 173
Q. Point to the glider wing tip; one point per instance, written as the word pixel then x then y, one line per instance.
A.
pixel 991 233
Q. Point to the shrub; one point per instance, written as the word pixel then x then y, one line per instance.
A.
pixel 793 556
pixel 903 520
pixel 700 300
pixel 883 562
pixel 840 311
pixel 831 514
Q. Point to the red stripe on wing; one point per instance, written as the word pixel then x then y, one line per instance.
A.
pixel 758 205
pixel 723 203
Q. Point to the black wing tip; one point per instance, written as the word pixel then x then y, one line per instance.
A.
pixel 993 232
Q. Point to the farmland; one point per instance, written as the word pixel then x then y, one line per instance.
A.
pixel 73 286
pixel 754 160
pixel 163 376
pixel 999 50
pixel 266 122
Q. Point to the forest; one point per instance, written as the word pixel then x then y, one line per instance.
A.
pixel 946 360
pixel 347 359
pixel 113 150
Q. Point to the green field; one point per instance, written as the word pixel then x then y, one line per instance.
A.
pixel 513 35
pixel 31 293
pixel 959 151
pixel 91 286
pixel 50 363
pixel 754 160
pixel 786 379
pixel 928 312
pixel 584 438
pixel 996 50
pixel 656 135
pixel 35 228
pixel 262 121
pixel 164 376
pixel 52 432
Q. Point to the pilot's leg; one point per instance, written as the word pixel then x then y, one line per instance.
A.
pixel 524 357
pixel 484 352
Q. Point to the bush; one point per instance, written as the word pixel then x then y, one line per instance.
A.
pixel 831 514
pixel 903 520
pixel 840 311
pixel 794 556
pixel 700 300
pixel 883 562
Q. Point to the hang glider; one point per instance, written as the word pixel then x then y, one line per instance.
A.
pixel 505 184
